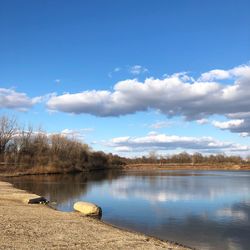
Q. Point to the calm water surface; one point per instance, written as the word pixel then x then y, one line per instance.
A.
pixel 202 209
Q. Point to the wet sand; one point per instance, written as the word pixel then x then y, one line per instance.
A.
pixel 26 226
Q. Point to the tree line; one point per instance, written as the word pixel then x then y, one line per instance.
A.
pixel 25 149
pixel 192 159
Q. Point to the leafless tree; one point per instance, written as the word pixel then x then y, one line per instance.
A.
pixel 8 128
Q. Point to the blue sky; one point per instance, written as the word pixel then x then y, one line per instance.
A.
pixel 130 76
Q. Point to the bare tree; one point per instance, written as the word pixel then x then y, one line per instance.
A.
pixel 8 128
pixel 152 155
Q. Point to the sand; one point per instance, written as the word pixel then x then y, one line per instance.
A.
pixel 26 226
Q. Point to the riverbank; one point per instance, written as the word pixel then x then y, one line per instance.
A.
pixel 24 226
pixel 132 167
pixel 47 170
pixel 173 166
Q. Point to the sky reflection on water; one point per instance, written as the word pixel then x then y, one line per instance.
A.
pixel 202 209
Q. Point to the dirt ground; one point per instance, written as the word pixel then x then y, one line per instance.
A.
pixel 25 226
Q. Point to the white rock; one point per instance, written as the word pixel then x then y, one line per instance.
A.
pixel 88 208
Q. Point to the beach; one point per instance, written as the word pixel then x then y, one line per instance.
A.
pixel 37 226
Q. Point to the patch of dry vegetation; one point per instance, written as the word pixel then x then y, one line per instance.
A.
pixel 27 151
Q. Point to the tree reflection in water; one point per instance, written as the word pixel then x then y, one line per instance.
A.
pixel 61 188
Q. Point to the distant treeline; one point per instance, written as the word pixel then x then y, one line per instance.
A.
pixel 23 150
pixel 194 159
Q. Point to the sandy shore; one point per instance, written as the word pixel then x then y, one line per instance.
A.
pixel 24 226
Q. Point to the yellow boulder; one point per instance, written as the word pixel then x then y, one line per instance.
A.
pixel 88 209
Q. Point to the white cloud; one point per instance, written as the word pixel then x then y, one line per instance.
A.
pixel 58 81
pixel 120 139
pixel 228 124
pixel 155 141
pixel 160 124
pixel 202 121
pixel 174 95
pixel 77 133
pixel 218 74
pixel 137 70
pixel 215 74
pixel 115 70
pixel 241 126
pixel 171 96
pixel 70 133
pixel 11 99
pixel 123 149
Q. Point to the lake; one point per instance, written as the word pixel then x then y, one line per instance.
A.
pixel 201 209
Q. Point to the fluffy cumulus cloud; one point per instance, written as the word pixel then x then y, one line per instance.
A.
pixel 175 95
pixel 228 124
pixel 11 99
pixel 156 141
pixel 241 126
pixel 215 74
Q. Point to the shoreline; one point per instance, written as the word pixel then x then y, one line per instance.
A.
pixel 26 226
pixel 149 166
pixel 134 167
